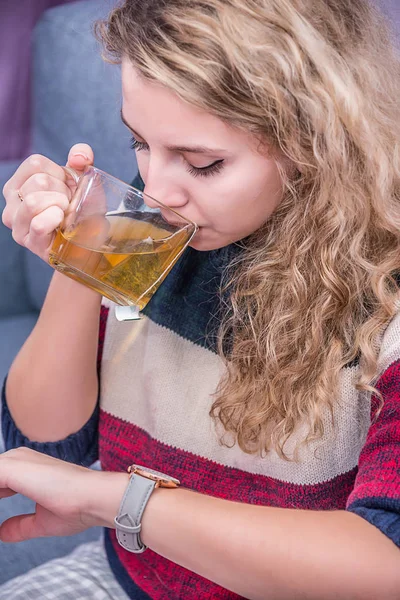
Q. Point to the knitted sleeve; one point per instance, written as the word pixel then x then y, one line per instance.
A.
pixel 376 494
pixel 80 447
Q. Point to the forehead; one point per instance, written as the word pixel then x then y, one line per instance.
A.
pixel 150 107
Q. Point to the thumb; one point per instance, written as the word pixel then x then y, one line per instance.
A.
pixel 80 156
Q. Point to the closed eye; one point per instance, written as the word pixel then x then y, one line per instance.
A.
pixel 212 169
pixel 206 171
pixel 136 145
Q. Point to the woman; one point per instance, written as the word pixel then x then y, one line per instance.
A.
pixel 265 375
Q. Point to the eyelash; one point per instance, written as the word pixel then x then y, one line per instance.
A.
pixel 213 169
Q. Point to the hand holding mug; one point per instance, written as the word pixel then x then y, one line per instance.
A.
pixel 38 195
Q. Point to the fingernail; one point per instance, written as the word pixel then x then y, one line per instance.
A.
pixel 81 155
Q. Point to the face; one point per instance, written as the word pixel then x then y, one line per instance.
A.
pixel 206 170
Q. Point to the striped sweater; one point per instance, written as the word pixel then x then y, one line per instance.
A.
pixel 157 379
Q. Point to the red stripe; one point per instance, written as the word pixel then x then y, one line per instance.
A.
pixel 379 463
pixel 102 334
pixel 122 444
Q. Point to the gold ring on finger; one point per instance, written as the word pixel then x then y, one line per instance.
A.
pixel 19 196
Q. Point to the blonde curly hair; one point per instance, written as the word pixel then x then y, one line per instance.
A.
pixel 318 82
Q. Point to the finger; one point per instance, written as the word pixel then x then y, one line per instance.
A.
pixel 32 206
pixel 80 156
pixel 20 528
pixel 31 166
pixel 42 182
pixel 42 231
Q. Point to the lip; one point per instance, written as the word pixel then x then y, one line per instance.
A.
pixel 175 222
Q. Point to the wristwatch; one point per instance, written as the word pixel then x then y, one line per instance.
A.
pixel 142 483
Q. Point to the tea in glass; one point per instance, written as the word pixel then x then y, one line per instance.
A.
pixel 114 243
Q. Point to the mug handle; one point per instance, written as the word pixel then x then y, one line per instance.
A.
pixel 73 174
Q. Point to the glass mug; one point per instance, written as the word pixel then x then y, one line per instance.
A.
pixel 115 243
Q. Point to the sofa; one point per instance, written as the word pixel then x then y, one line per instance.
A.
pixel 75 98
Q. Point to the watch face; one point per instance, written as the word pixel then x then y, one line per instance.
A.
pixel 162 479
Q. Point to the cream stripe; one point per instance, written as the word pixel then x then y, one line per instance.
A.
pixel 163 383
pixel 390 348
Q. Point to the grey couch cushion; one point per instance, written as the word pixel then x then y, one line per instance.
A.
pixel 77 96
pixel 14 297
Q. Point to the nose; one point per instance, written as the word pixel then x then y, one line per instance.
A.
pixel 162 186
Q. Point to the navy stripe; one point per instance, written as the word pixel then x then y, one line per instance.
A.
pixel 138 183
pixel 382 512
pixel 188 301
pixel 128 585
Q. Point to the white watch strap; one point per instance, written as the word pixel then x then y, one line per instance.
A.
pixel 128 521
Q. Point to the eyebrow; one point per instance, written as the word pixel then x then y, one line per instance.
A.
pixel 190 149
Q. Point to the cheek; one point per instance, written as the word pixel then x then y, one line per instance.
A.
pixel 234 205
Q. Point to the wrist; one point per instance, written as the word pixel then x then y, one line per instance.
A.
pixel 71 304
pixel 69 286
pixel 105 496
